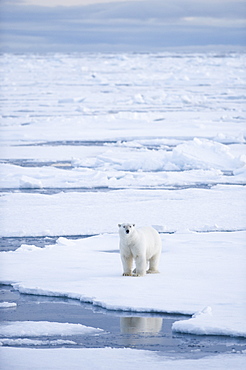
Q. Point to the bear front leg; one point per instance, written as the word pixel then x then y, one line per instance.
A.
pixel 127 265
pixel 140 269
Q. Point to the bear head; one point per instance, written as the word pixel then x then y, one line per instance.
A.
pixel 126 228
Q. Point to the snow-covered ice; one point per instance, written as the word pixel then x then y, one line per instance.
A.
pixel 7 304
pixel 90 270
pixel 80 213
pixel 109 358
pixel 91 140
pixel 43 328
pixel 19 342
pixel 206 161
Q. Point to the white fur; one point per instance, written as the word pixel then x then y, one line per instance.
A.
pixel 142 245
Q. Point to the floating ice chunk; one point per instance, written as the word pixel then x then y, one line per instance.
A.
pixel 186 99
pixel 147 160
pixel 43 328
pixel 129 144
pixel 206 310
pixel 169 166
pixel 205 323
pixel 197 154
pixel 207 228
pixel 27 248
pixel 20 342
pixel 240 172
pixel 223 138
pixel 27 182
pixel 7 304
pixel 205 154
pixel 138 98
pixel 183 230
pixel 64 241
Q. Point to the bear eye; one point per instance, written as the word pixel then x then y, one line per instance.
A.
pixel 124 226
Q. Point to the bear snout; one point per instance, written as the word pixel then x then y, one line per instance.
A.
pixel 127 231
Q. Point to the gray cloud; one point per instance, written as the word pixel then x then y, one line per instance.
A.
pixel 172 9
pixel 132 26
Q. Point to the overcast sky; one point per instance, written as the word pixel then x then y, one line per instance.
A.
pixel 120 25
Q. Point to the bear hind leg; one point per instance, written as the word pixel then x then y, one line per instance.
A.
pixel 153 264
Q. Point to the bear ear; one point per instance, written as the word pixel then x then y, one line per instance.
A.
pixel 119 225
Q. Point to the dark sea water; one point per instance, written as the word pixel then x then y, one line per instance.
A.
pixel 121 329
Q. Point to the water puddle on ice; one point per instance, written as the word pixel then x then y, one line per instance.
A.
pixel 120 329
pixel 12 243
pixel 65 165
pixel 71 142
pixel 52 191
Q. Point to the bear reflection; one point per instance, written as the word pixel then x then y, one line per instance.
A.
pixel 135 325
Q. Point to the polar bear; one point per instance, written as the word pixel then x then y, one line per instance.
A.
pixel 143 245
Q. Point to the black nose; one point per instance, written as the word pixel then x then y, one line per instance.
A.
pixel 127 231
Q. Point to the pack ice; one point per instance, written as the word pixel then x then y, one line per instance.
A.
pixel 91 140
pixel 195 268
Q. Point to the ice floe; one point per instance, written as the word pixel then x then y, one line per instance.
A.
pixel 80 213
pixel 7 304
pixel 43 328
pixel 91 140
pixel 195 269
pixel 101 358
pixel 19 342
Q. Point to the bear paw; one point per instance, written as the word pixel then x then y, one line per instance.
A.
pixel 127 274
pixel 152 271
pixel 135 273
